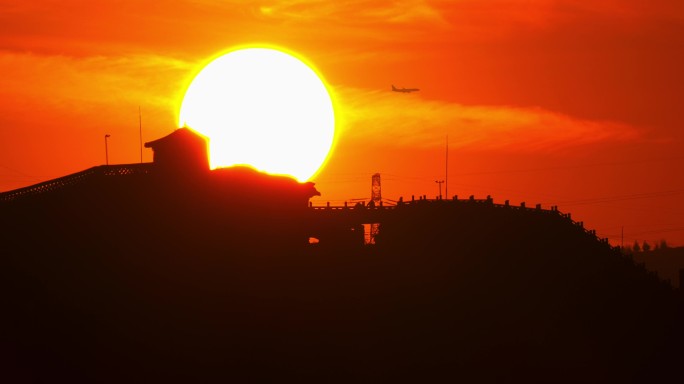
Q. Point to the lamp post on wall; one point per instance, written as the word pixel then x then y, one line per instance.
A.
pixel 440 187
pixel 106 150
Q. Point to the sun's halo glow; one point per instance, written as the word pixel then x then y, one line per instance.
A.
pixel 263 108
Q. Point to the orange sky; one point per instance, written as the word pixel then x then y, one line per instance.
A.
pixel 560 102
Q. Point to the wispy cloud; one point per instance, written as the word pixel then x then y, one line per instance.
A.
pixel 356 11
pixel 408 120
pixel 73 81
pixel 72 84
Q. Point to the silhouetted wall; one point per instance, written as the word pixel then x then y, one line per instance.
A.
pixel 145 277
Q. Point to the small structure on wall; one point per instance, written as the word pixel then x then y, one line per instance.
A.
pixel 181 151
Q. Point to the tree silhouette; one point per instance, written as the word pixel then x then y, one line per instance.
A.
pixel 646 247
pixel 636 247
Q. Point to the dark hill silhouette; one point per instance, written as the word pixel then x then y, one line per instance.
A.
pixel 156 277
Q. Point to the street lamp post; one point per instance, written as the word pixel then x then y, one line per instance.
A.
pixel 106 150
pixel 440 187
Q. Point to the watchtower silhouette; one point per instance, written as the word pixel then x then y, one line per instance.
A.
pixel 181 151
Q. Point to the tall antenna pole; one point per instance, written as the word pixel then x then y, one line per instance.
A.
pixel 106 150
pixel 140 124
pixel 446 176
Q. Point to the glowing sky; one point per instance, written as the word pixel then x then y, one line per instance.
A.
pixel 560 102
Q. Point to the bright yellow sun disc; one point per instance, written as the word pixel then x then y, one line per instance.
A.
pixel 263 108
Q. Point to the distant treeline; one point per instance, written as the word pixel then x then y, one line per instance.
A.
pixel 667 262
pixel 646 246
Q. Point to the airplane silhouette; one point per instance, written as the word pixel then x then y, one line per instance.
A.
pixel 404 90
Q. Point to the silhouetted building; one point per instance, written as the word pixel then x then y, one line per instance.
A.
pixel 181 151
pixel 176 196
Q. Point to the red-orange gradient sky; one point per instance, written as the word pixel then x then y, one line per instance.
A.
pixel 561 102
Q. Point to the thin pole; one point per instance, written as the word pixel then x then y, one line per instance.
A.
pixel 140 123
pixel 446 176
pixel 106 151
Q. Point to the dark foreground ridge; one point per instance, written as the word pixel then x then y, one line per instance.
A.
pixel 153 276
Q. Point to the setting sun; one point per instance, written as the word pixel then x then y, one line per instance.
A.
pixel 263 108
